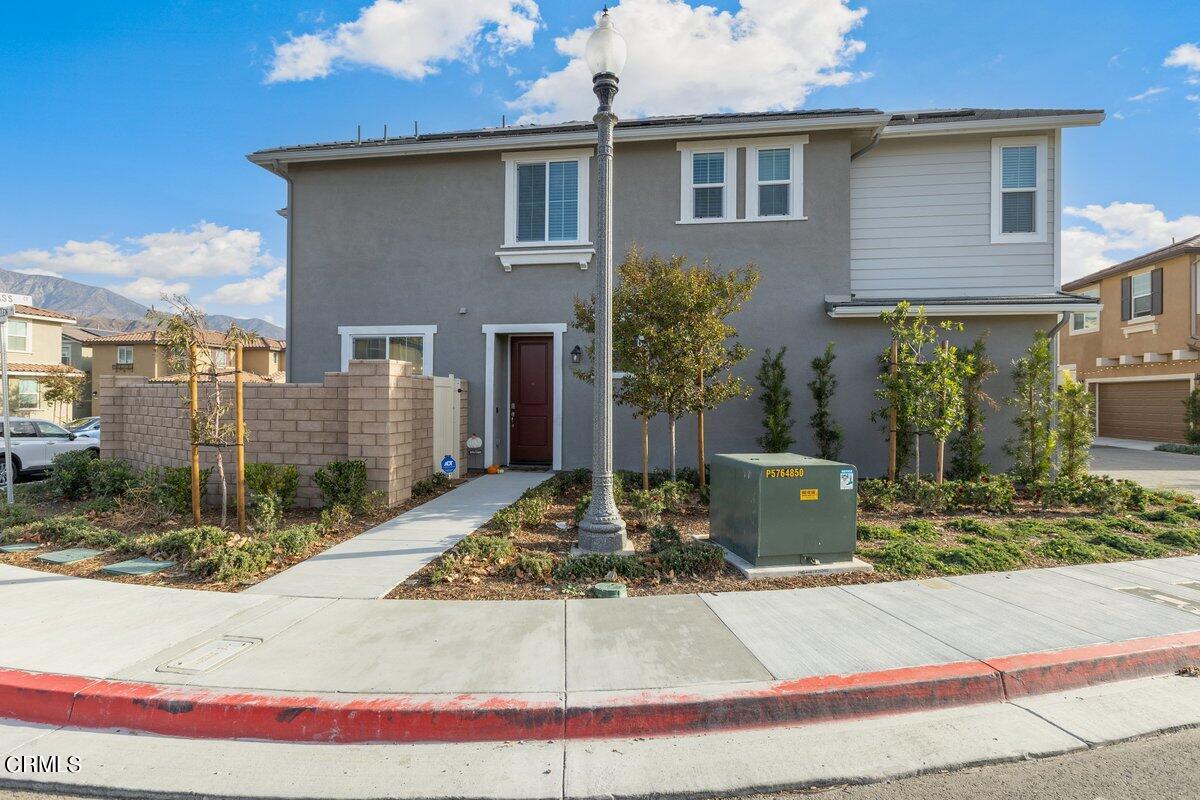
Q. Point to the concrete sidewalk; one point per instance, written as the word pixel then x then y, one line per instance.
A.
pixel 376 561
pixel 1149 467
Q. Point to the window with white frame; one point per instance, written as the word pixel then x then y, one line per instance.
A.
pixel 411 343
pixel 220 358
pixel 707 181
pixel 27 393
pixel 546 198
pixel 1141 295
pixel 775 178
pixel 18 335
pixel 1019 177
pixel 124 354
pixel 1086 321
pixel 66 352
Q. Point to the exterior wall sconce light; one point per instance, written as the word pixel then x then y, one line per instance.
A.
pixel 576 354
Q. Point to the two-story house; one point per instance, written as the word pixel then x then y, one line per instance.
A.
pixel 1141 352
pixel 462 252
pixel 141 353
pixel 35 350
pixel 77 352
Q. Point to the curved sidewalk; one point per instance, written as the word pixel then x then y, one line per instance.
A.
pixel 200 664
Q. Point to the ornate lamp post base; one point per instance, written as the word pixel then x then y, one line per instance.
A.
pixel 603 536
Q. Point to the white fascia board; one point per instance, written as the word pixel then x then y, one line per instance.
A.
pixel 992 125
pixel 972 310
pixel 40 318
pixel 583 137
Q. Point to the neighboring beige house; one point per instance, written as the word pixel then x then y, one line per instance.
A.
pixel 77 352
pixel 140 353
pixel 35 351
pixel 1140 353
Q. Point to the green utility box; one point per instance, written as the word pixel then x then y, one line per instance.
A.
pixel 781 509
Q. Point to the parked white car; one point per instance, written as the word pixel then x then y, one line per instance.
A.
pixel 86 428
pixel 35 443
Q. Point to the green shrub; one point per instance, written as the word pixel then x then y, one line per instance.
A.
pixel 1124 543
pixel 905 556
pixel 343 483
pixel 920 529
pixel 273 480
pixel 69 478
pixel 110 477
pixel 431 485
pixel 16 514
pixel 1180 538
pixel 675 494
pixel 1070 549
pixel 596 566
pixel 507 520
pixel 175 490
pixel 1187 449
pixel 266 513
pixel 976 554
pixel 294 540
pixel 234 562
pixel 1100 493
pixel 935 498
pixel 873 532
pixel 581 507
pixel 1168 515
pixel 649 505
pixel 994 494
pixel 537 565
pixel 976 526
pixel 876 494
pixel 70 530
pixel 692 558
pixel 334 518
pixel 532 509
pixel 183 544
pixel 444 569
pixel 1126 523
pixel 663 537
pixel 492 549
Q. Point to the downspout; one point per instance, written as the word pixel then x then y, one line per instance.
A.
pixel 1053 334
pixel 1193 339
pixel 869 146
pixel 287 308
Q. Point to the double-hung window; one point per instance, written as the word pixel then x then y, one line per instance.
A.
pixel 774 178
pixel 1019 177
pixel 1086 321
pixel 124 354
pixel 220 358
pixel 27 393
pixel 66 352
pixel 708 185
pixel 707 182
pixel 1141 294
pixel 546 199
pixel 18 335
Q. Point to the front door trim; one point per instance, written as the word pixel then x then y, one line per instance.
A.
pixel 490 332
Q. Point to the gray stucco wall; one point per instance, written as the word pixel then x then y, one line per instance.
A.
pixel 408 241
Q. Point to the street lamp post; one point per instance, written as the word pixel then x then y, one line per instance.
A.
pixel 602 530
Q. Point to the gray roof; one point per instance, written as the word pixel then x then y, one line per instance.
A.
pixel 1186 246
pixel 901 119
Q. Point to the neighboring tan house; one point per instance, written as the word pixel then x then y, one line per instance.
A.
pixel 140 353
pixel 35 350
pixel 462 252
pixel 77 352
pixel 1140 353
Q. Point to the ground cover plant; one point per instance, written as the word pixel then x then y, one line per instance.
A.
pixel 106 504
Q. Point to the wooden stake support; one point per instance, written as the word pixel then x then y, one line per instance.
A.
pixel 892 370
pixel 240 420
pixel 194 390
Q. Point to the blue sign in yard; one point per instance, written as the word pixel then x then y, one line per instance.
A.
pixel 449 465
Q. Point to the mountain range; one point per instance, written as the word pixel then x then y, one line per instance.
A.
pixel 95 307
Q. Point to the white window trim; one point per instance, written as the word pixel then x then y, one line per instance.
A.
pixel 348 332
pixel 489 389
pixel 511 161
pixel 728 196
pixel 1040 193
pixel 128 347
pixel 37 392
pixel 796 182
pixel 1149 315
pixel 1094 293
pixel 28 337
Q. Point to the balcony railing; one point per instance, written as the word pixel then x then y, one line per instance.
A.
pixel 123 367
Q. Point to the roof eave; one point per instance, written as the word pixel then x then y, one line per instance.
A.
pixel 1130 265
pixel 994 125
pixel 856 311
pixel 524 141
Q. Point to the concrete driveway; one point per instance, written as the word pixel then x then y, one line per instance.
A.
pixel 1149 467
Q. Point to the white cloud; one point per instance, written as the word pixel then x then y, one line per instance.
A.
pixel 205 249
pixel 1186 55
pixel 150 290
pixel 1119 231
pixel 252 291
pixel 1153 90
pixel 408 38
pixel 770 54
pixel 49 273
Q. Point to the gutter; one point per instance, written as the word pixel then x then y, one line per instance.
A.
pixel 869 146
pixel 993 125
pixel 836 311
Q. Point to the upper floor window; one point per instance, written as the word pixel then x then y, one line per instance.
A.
pixel 1019 177
pixel 546 198
pixel 221 358
pixel 774 179
pixel 66 352
pixel 708 185
pixel 18 335
pixel 124 354
pixel 711 189
pixel 1086 321
pixel 1141 295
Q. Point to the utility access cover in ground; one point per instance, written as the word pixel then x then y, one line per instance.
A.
pixel 19 547
pixel 137 566
pixel 69 556
pixel 209 655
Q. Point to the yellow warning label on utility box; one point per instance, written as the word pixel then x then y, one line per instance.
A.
pixel 809 494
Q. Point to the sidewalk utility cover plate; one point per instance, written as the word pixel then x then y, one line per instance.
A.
pixel 69 556
pixel 137 566
pixel 209 655
pixel 19 547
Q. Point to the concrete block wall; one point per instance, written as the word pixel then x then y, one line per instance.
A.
pixel 378 412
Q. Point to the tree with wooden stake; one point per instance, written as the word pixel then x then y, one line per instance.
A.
pixel 1076 427
pixel 191 348
pixel 64 386
pixel 776 399
pixel 826 432
pixel 966 461
pixel 1032 448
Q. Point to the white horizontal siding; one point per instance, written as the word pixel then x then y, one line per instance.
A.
pixel 920 223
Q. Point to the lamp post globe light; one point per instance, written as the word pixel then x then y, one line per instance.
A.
pixel 602 530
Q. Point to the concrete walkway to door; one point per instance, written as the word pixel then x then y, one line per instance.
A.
pixel 373 563
pixel 1153 468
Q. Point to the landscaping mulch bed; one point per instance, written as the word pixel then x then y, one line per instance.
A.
pixel 901 542
pixel 130 523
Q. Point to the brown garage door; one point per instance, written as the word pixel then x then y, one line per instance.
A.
pixel 1150 410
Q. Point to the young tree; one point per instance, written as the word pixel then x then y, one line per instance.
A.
pixel 190 349
pixel 1191 416
pixel 966 461
pixel 63 386
pixel 1032 448
pixel 776 400
pixel 826 431
pixel 1076 426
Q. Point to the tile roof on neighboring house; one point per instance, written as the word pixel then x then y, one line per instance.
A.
pixel 1182 247
pixel 214 338
pixel 34 311
pixel 683 124
pixel 18 368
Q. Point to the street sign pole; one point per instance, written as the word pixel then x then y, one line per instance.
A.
pixel 9 479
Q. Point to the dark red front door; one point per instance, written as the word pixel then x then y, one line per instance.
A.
pixel 531 400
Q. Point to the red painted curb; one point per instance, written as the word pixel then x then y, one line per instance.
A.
pixel 222 714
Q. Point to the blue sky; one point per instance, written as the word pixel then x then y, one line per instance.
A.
pixel 125 125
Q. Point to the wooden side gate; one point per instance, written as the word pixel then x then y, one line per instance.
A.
pixel 446 424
